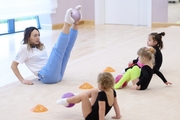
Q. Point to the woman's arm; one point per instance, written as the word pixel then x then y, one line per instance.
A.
pixel 14 67
pixel 116 109
pixel 101 110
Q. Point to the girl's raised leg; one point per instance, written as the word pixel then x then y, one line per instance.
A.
pixel 84 98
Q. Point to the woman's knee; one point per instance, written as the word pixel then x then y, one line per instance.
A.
pixel 50 80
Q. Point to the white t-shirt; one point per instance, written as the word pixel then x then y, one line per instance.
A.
pixel 34 58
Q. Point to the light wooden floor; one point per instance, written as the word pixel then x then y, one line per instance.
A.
pixel 97 47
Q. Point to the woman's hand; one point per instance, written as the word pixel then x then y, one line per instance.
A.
pixel 27 82
pixel 14 67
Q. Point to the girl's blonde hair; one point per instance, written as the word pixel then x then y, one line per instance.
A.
pixel 106 80
pixel 147 52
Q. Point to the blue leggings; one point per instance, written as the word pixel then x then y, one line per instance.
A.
pixel 53 71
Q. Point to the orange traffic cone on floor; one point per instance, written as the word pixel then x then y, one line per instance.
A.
pixel 86 86
pixel 109 69
pixel 39 108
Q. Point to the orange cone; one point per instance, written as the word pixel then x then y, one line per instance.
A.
pixel 86 86
pixel 109 69
pixel 39 108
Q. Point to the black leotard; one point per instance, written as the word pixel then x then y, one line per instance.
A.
pixel 158 63
pixel 158 57
pixel 145 77
pixel 94 115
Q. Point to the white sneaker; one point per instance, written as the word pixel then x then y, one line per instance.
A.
pixel 68 19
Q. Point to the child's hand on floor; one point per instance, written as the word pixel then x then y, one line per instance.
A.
pixel 168 83
pixel 135 87
pixel 116 117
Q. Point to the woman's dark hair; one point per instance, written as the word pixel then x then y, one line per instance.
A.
pixel 27 34
pixel 158 38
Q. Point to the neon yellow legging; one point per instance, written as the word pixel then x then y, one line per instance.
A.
pixel 130 74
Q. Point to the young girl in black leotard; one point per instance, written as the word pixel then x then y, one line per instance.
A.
pixel 142 78
pixel 146 57
pixel 155 41
pixel 102 99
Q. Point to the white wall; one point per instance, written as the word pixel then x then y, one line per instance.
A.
pixel 121 12
pixel 133 12
pixel 144 12
pixel 99 12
